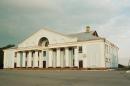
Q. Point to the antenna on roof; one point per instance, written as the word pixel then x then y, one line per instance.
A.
pixel 87 28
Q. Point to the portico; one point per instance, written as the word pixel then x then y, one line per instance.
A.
pixel 54 58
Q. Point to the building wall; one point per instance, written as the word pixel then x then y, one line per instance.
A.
pixel 93 54
pixel 9 58
pixel 111 55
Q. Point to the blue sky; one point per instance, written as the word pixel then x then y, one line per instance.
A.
pixel 111 18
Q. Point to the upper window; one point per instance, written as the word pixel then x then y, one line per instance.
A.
pixel 80 49
pixel 43 42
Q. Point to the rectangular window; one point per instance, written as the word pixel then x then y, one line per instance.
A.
pixel 80 49
pixel 44 53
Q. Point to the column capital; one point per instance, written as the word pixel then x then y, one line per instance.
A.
pixel 66 47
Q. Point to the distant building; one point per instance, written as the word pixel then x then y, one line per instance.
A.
pixel 50 49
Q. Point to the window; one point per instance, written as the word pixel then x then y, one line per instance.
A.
pixel 43 42
pixel 80 49
pixel 44 53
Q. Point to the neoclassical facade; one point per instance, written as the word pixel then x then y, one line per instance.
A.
pixel 50 49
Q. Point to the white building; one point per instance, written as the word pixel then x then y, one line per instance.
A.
pixel 49 49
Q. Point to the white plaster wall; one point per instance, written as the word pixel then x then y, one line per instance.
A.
pixel 111 53
pixel 114 58
pixel 9 58
pixel 52 37
pixel 93 55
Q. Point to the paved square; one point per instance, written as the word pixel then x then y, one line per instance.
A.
pixel 63 78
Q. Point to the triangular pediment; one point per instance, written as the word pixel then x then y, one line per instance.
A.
pixel 53 37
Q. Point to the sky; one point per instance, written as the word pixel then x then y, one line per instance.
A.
pixel 110 18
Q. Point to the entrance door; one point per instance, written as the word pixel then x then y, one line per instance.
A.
pixel 44 64
pixel 14 65
pixel 80 64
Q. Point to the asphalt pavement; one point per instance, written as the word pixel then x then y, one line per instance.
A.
pixel 63 78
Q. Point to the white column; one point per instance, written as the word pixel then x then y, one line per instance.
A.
pixel 50 58
pixel 67 57
pixel 35 62
pixel 62 58
pixel 54 62
pixel 23 59
pixel 29 59
pixel 40 59
pixel 58 58
pixel 76 63
pixel 18 59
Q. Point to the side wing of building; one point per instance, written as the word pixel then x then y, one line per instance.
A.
pixel 9 58
pixel 111 55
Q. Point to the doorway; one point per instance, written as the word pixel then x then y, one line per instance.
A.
pixel 15 65
pixel 44 64
pixel 80 64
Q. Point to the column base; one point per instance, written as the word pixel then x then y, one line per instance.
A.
pixel 35 68
pixel 99 68
pixel 18 67
pixel 75 67
pixel 66 67
pixel 58 67
pixel 29 67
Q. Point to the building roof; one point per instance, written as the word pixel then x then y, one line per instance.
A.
pixel 84 36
